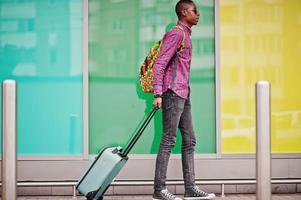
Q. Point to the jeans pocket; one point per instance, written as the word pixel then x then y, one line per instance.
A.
pixel 168 100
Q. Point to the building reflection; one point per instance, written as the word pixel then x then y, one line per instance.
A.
pixel 38 38
pixel 256 44
pixel 121 33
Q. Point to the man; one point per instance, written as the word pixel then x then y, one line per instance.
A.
pixel 172 92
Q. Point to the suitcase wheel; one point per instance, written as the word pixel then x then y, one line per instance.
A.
pixel 91 195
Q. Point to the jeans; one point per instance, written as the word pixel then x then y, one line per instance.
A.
pixel 176 114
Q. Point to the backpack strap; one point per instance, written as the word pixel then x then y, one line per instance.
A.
pixel 181 47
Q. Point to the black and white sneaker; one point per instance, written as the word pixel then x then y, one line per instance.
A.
pixel 164 195
pixel 195 193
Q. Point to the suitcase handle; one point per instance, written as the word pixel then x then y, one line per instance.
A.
pixel 139 132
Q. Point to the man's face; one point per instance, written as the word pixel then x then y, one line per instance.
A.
pixel 192 15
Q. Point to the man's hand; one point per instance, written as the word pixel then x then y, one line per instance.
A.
pixel 157 103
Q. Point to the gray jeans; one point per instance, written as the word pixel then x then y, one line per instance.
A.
pixel 176 114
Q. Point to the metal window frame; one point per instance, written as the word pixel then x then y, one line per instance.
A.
pixel 217 78
pixel 85 79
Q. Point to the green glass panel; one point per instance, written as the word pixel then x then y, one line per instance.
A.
pixel 120 35
pixel 41 48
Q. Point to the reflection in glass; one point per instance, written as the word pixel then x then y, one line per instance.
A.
pixel 120 35
pixel 259 41
pixel 40 47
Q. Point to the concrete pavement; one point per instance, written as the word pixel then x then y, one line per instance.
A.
pixel 227 197
pixel 148 197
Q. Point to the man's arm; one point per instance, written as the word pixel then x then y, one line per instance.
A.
pixel 170 43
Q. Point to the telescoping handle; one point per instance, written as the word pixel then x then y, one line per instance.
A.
pixel 139 132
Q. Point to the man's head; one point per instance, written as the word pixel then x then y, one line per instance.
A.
pixel 187 12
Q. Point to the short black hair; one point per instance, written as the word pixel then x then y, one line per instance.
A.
pixel 180 6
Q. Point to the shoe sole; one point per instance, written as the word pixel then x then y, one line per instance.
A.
pixel 198 198
pixel 161 199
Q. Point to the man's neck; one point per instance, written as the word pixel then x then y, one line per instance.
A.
pixel 183 21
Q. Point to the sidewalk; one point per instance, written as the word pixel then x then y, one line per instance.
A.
pixel 148 197
pixel 228 197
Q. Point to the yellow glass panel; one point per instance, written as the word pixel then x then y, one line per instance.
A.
pixel 260 40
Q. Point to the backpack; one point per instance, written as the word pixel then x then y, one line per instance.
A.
pixel 146 69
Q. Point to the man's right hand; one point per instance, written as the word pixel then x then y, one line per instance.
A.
pixel 157 103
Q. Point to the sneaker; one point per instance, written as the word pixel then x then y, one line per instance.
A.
pixel 164 195
pixel 195 193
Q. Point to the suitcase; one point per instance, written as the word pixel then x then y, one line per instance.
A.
pixel 107 165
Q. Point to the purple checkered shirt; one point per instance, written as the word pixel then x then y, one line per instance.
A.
pixel 172 68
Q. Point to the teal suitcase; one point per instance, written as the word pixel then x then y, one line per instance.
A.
pixel 107 165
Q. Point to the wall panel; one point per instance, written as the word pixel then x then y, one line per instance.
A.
pixel 41 48
pixel 260 40
pixel 120 35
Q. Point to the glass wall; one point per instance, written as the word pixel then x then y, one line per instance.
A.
pixel 41 48
pixel 260 40
pixel 120 35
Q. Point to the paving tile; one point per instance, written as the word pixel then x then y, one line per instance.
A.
pixel 296 196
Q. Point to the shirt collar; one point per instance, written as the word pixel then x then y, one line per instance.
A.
pixel 185 26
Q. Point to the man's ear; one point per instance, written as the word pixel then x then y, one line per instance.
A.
pixel 184 13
